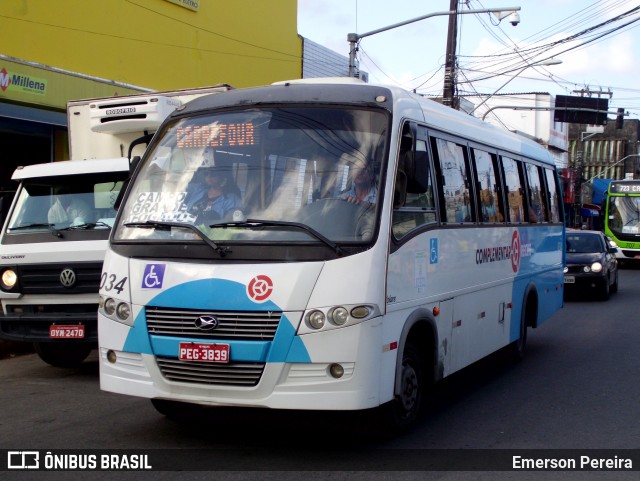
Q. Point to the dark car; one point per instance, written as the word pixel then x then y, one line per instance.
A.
pixel 590 263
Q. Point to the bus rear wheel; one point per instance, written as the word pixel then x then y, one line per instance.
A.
pixel 518 347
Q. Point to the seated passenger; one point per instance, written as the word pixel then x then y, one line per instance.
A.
pixel 363 190
pixel 77 212
pixel 216 197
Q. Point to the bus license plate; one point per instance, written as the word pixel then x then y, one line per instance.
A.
pixel 66 332
pixel 569 280
pixel 189 351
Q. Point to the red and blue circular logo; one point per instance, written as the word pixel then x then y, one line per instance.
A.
pixel 260 288
pixel 515 251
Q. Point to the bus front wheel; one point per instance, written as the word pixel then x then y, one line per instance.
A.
pixel 172 409
pixel 403 411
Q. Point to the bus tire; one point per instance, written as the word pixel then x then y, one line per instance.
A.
pixel 63 354
pixel 403 410
pixel 518 347
pixel 171 409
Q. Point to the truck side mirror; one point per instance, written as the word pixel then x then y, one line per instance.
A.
pixel 133 164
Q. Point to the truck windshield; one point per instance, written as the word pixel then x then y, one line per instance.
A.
pixel 66 203
pixel 261 175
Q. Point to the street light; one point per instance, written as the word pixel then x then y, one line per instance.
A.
pixel 543 63
pixel 354 38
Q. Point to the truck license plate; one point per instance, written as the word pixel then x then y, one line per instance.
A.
pixel 189 351
pixel 66 332
pixel 569 280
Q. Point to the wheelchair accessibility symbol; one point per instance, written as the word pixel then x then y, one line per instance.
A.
pixel 153 276
pixel 433 251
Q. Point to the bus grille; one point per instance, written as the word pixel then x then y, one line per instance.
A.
pixel 232 374
pixel 240 326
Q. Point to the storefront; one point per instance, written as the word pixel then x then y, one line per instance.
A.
pixel 33 119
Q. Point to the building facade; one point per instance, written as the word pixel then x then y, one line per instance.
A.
pixel 56 51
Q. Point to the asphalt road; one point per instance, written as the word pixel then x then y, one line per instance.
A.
pixel 575 390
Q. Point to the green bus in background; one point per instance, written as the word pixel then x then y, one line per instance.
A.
pixel 622 218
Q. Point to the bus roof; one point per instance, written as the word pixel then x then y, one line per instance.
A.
pixel 404 104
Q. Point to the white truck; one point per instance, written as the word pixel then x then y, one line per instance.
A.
pixel 55 235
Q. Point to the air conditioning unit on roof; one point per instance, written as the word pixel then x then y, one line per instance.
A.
pixel 133 114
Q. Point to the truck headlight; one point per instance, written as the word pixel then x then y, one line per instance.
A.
pixel 9 279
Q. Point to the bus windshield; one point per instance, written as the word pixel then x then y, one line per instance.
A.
pixel 624 214
pixel 287 174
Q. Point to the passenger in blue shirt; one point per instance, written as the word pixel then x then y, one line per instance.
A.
pixel 363 190
pixel 216 197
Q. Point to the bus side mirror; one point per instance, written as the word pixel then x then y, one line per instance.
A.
pixel 400 192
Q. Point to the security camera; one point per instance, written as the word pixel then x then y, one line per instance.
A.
pixel 514 18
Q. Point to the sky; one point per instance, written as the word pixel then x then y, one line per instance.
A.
pixel 600 59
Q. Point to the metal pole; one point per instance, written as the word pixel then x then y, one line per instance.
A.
pixel 353 38
pixel 450 57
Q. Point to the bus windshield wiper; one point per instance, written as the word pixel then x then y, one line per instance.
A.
pixel 87 225
pixel 35 225
pixel 154 224
pixel 279 223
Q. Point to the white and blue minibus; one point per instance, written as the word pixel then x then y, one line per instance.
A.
pixel 325 244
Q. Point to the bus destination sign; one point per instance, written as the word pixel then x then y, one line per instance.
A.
pixel 625 187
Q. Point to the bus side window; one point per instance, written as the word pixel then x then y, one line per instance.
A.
pixel 419 182
pixel 488 187
pixel 537 204
pixel 514 190
pixel 418 205
pixel 455 181
pixel 554 196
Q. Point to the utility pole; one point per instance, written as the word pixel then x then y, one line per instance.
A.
pixel 448 92
pixel 577 203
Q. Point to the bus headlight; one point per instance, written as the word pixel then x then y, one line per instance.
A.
pixel 316 319
pixel 116 310
pixel 9 279
pixel 596 267
pixel 110 306
pixel 123 311
pixel 336 317
pixel 339 316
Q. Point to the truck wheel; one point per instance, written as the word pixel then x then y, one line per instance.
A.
pixel 62 354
